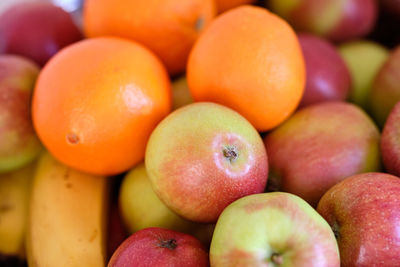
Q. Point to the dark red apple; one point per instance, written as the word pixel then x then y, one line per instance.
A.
pixel 328 78
pixel 36 30
pixel 364 213
pixel 160 247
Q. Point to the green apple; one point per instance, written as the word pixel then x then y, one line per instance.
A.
pixel 141 208
pixel 364 59
pixel 273 229
pixel 204 156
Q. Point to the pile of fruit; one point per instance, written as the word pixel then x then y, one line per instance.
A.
pixel 200 133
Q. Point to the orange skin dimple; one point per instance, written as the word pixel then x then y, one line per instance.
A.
pixel 96 103
pixel 168 27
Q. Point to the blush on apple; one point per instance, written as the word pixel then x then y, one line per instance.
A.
pixel 328 78
pixel 336 20
pixel 36 30
pixel 204 156
pixel 364 212
pixel 319 146
pixel 273 229
pixel 18 142
pixel 364 59
pixel 386 88
pixel 390 142
pixel 160 247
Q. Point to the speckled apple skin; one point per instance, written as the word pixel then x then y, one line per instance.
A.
pixel 254 227
pixel 364 210
pixel 319 146
pixel 186 164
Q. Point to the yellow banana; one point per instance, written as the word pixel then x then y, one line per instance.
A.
pixel 67 222
pixel 15 190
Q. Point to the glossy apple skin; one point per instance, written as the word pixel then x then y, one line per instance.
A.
pixel 386 89
pixel 160 247
pixel 390 142
pixel 188 163
pixel 141 208
pixel 328 78
pixel 18 142
pixel 364 59
pixel 36 30
pixel 336 20
pixel 253 228
pixel 319 146
pixel 364 212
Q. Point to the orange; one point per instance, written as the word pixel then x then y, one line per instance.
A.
pixel 249 60
pixel 224 5
pixel 168 27
pixel 96 102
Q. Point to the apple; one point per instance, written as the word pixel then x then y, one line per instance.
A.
pixel 204 156
pixel 364 212
pixel 19 144
pixel 336 20
pixel 386 88
pixel 36 30
pixel 390 142
pixel 272 229
pixel 160 247
pixel 319 146
pixel 116 230
pixel 141 208
pixel 180 93
pixel 364 59
pixel 391 6
pixel 328 78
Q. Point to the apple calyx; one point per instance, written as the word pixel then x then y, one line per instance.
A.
pixel 336 230
pixel 167 243
pixel 277 258
pixel 230 152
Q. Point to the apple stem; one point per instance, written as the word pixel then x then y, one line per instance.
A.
pixel 230 153
pixel 277 258
pixel 169 244
pixel 336 230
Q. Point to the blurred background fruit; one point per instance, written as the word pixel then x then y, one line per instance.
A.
pixel 36 30
pixel 224 5
pixel 180 93
pixel 202 157
pixel 97 118
pixel 18 142
pixel 168 27
pixel 364 59
pixel 319 146
pixel 67 220
pixel 363 211
pixel 386 88
pixel 328 78
pixel 15 190
pixel 250 60
pixel 336 20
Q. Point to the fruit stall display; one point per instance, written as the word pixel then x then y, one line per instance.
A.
pixel 199 133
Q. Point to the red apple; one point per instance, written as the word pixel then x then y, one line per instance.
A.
pixel 364 213
pixel 328 78
pixel 390 142
pixel 36 30
pixel 336 20
pixel 116 230
pixel 204 156
pixel 18 142
pixel 160 247
pixel 319 146
pixel 386 88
